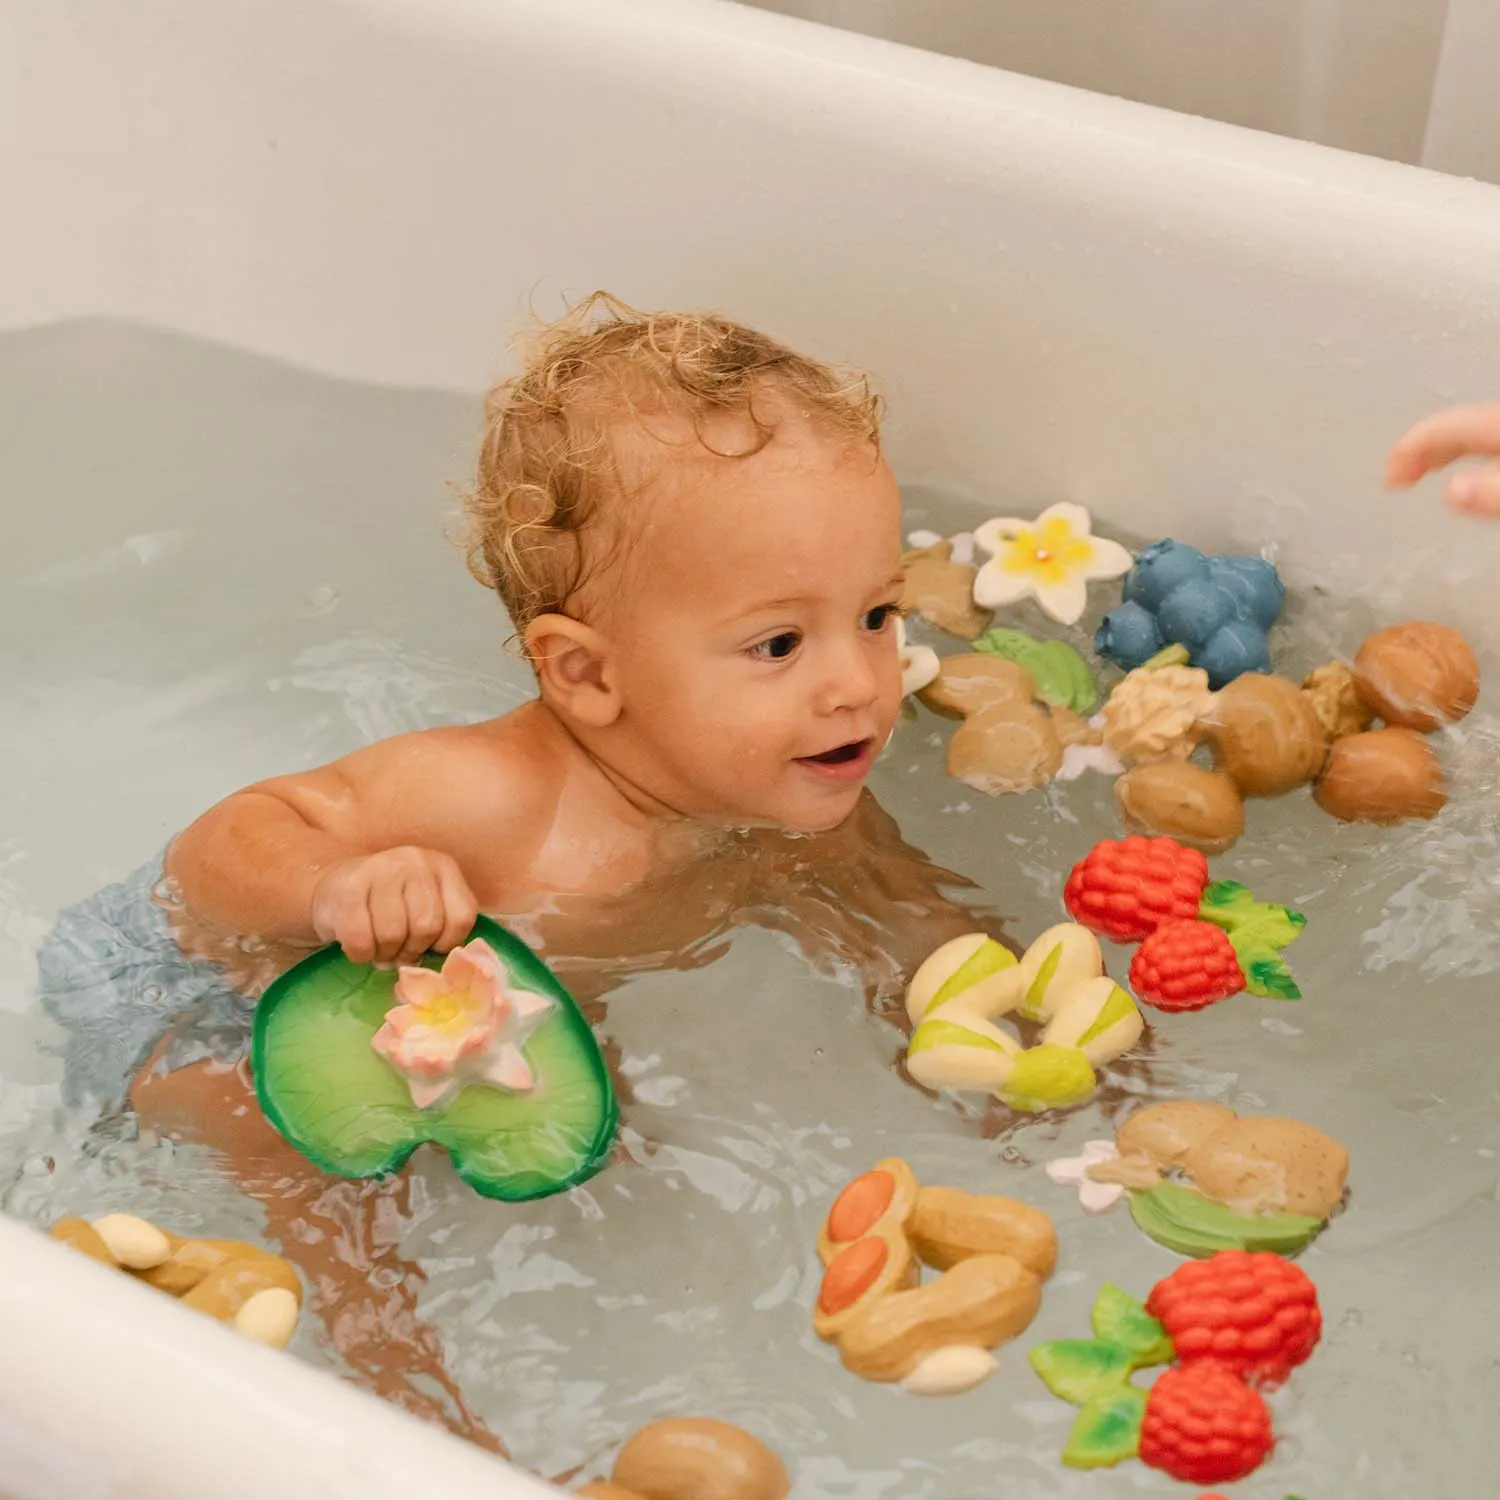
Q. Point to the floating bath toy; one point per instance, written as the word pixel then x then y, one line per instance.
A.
pixel 958 992
pixel 919 664
pixel 1266 734
pixel 253 1291
pixel 1381 776
pixel 1102 1175
pixel 1220 608
pixel 486 1056
pixel 1185 802
pixel 992 1255
pixel 1060 674
pixel 1417 675
pixel 693 1458
pixel 1227 1325
pixel 1336 701
pixel 1054 558
pixel 1156 892
pixel 940 588
pixel 1155 713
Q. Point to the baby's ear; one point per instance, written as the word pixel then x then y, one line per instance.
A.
pixel 573 667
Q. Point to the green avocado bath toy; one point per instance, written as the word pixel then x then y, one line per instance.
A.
pixel 483 1053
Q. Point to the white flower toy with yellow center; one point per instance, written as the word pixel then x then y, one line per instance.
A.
pixel 462 1024
pixel 1054 558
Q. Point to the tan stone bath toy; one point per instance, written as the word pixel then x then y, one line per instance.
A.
pixel 993 1254
pixel 1417 675
pixel 255 1292
pixel 1203 1179
pixel 1381 776
pixel 1176 799
pixel 1266 734
pixel 941 590
pixel 693 1458
pixel 961 989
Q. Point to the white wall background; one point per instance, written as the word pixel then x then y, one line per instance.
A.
pixel 1412 80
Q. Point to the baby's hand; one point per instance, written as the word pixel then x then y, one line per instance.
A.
pixel 394 906
pixel 1463 432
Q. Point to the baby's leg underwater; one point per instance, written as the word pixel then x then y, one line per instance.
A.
pixel 342 1235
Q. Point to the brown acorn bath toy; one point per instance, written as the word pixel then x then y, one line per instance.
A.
pixel 255 1292
pixel 1381 776
pixel 1417 675
pixel 1266 734
pixel 693 1458
pixel 1183 801
pixel 936 1338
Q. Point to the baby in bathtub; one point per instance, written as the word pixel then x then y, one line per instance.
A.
pixel 698 543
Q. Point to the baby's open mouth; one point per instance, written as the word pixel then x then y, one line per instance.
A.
pixel 839 755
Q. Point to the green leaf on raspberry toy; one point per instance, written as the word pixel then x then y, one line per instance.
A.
pixel 1228 904
pixel 1078 1370
pixel 1268 976
pixel 1120 1319
pixel 1108 1430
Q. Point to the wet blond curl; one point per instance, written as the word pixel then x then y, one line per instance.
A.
pixel 546 462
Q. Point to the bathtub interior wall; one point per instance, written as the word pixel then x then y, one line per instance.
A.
pixel 1178 323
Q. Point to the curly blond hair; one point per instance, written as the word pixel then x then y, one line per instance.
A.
pixel 546 461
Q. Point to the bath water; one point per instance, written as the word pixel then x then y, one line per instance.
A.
pixel 217 568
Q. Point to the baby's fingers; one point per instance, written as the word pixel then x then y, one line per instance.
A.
pixel 1475 492
pixel 424 917
pixel 459 907
pixel 1463 432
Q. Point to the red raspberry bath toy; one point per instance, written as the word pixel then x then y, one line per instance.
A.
pixel 1186 966
pixel 1251 1312
pixel 1203 1425
pixel 1126 888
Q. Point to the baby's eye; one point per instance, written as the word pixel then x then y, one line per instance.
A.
pixel 881 616
pixel 778 648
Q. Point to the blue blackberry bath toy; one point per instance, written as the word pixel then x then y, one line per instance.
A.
pixel 1219 608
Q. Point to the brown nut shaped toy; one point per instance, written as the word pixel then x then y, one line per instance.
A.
pixel 970 682
pixel 1175 798
pixel 1417 675
pixel 696 1458
pixel 941 590
pixel 1335 699
pixel 1266 734
pixel 1382 776
pixel 1005 747
pixel 949 1226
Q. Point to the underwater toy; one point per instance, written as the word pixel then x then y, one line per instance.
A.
pixel 1219 607
pixel 1179 800
pixel 693 1458
pixel 1060 674
pixel 958 992
pixel 1265 734
pixel 253 1291
pixel 1131 888
pixel 1054 558
pixel 486 1055
pixel 938 586
pixel 919 664
pixel 1381 776
pixel 1417 675
pixel 992 1254
pixel 1335 698
pixel 1226 1325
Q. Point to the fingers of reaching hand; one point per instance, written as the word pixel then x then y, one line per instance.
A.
pixel 459 906
pixel 1463 432
pixel 1475 492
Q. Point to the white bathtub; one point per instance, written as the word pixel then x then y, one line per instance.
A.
pixel 1157 316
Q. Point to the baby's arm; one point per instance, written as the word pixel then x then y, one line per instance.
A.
pixel 1462 432
pixel 353 852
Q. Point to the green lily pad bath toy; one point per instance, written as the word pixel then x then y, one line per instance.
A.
pixel 482 1052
